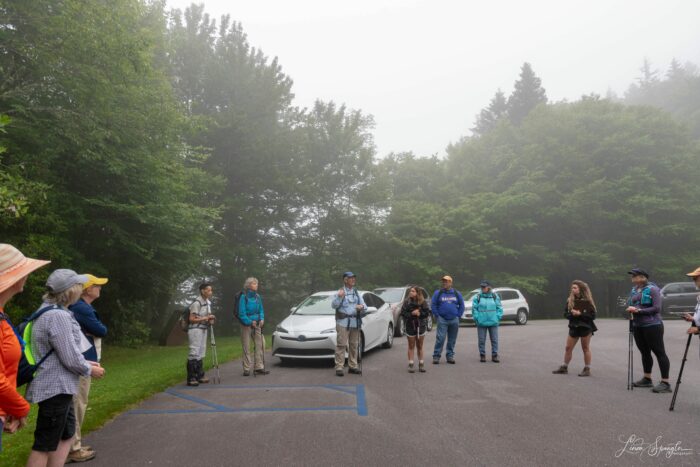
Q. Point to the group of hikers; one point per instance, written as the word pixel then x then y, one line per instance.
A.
pixel 57 362
pixel 57 349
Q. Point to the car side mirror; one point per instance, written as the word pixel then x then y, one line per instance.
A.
pixel 371 309
pixel 292 310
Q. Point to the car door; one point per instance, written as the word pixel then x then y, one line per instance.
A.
pixel 687 298
pixel 370 322
pixel 671 298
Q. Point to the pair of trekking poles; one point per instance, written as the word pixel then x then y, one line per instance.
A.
pixel 630 365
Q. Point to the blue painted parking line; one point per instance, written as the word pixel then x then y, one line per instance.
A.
pixel 210 407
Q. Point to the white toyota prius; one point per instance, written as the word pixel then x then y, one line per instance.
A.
pixel 309 331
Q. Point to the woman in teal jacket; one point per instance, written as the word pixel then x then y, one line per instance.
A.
pixel 252 316
pixel 487 312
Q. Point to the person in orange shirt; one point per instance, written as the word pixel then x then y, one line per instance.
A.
pixel 14 269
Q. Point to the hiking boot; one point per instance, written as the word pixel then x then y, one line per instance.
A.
pixel 246 372
pixel 203 380
pixel 494 358
pixel 411 369
pixel 262 371
pixel 80 455
pixel 436 360
pixel 421 367
pixel 339 373
pixel 586 372
pixel 193 382
pixel 199 368
pixel 643 383
pixel 355 371
pixel 482 358
pixel 451 361
pixel 562 370
pixel 663 386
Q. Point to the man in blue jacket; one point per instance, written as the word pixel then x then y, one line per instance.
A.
pixel 448 306
pixel 349 307
pixel 90 324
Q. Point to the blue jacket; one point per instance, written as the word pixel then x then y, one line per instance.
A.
pixel 250 308
pixel 347 305
pixel 90 324
pixel 447 304
pixel 487 309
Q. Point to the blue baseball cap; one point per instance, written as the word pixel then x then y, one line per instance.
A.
pixel 638 272
pixel 485 283
pixel 348 274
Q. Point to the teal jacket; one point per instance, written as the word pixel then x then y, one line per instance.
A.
pixel 487 309
pixel 250 308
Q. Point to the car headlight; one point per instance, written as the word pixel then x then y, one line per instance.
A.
pixel 281 329
pixel 328 331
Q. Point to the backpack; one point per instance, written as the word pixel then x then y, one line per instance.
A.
pixel 27 364
pixel 184 319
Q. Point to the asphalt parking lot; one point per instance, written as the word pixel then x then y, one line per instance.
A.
pixel 516 413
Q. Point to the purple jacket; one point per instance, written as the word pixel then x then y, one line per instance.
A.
pixel 648 301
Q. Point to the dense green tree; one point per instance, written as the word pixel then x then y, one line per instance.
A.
pixel 489 117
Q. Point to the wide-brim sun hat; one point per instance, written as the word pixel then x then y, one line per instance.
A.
pixel 14 266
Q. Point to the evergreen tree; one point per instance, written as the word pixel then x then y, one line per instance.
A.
pixel 491 115
pixel 527 95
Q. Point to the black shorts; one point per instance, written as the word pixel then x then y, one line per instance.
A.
pixel 55 422
pixel 411 327
pixel 580 331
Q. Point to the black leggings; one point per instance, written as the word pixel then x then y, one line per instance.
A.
pixel 651 339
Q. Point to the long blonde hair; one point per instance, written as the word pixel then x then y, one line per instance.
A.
pixel 585 292
pixel 419 296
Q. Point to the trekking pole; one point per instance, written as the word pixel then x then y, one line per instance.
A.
pixel 358 318
pixel 262 339
pixel 630 359
pixel 680 372
pixel 214 356
pixel 252 336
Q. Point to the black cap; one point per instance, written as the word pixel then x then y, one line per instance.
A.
pixel 638 272
pixel 485 283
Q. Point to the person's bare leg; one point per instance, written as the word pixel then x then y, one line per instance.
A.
pixel 420 348
pixel 59 456
pixel 38 459
pixel 569 350
pixel 586 347
pixel 411 346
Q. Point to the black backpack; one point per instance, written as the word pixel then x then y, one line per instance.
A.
pixel 184 319
pixel 27 364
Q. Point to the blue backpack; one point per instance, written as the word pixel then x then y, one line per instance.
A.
pixel 27 362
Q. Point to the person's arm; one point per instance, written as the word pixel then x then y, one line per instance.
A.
pixel 61 340
pixel 88 321
pixel 567 312
pixel 475 309
pixel 337 301
pixel 406 310
pixel 12 403
pixel 499 307
pixel 424 311
pixel 243 311
pixel 460 303
pixel 655 303
pixel 361 301
pixel 434 303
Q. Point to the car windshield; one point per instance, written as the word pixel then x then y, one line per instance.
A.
pixel 316 305
pixel 391 295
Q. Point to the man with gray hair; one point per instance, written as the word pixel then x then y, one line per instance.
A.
pixel 252 317
pixel 200 320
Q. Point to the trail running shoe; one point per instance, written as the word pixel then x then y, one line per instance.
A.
pixel 339 373
pixel 436 360
pixel 421 367
pixel 451 361
pixel 586 372
pixel 663 386
pixel 355 371
pixel 495 359
pixel 482 358
pixel 411 369
pixel 643 383
pixel 562 370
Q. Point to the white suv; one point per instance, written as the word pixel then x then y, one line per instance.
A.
pixel 515 306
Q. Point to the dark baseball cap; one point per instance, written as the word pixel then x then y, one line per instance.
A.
pixel 485 283
pixel 348 274
pixel 638 272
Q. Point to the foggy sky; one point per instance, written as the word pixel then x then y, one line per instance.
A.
pixel 424 69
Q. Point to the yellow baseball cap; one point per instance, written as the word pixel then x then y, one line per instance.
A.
pixel 447 278
pixel 94 280
pixel 695 273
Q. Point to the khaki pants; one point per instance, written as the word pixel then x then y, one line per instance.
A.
pixel 80 402
pixel 344 335
pixel 259 348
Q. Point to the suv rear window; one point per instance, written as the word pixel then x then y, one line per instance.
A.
pixel 508 295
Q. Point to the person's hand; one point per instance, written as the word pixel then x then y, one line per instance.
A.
pixel 359 307
pixel 254 324
pixel 416 312
pixel 212 318
pixel 341 293
pixel 693 330
pixel 631 309
pixel 575 312
pixel 22 423
pixel 96 371
pixel 687 316
pixel 11 425
pixel 261 323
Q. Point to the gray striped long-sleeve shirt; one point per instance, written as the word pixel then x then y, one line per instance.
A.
pixel 59 373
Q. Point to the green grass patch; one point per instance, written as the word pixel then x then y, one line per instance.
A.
pixel 132 375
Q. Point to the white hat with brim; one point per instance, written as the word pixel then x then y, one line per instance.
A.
pixel 14 266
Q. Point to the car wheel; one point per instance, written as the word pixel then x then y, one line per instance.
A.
pixel 521 317
pixel 429 325
pixel 389 337
pixel 401 328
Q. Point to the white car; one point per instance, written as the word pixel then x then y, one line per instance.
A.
pixel 515 306
pixel 309 331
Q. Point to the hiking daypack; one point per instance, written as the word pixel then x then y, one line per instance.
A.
pixel 27 363
pixel 184 319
